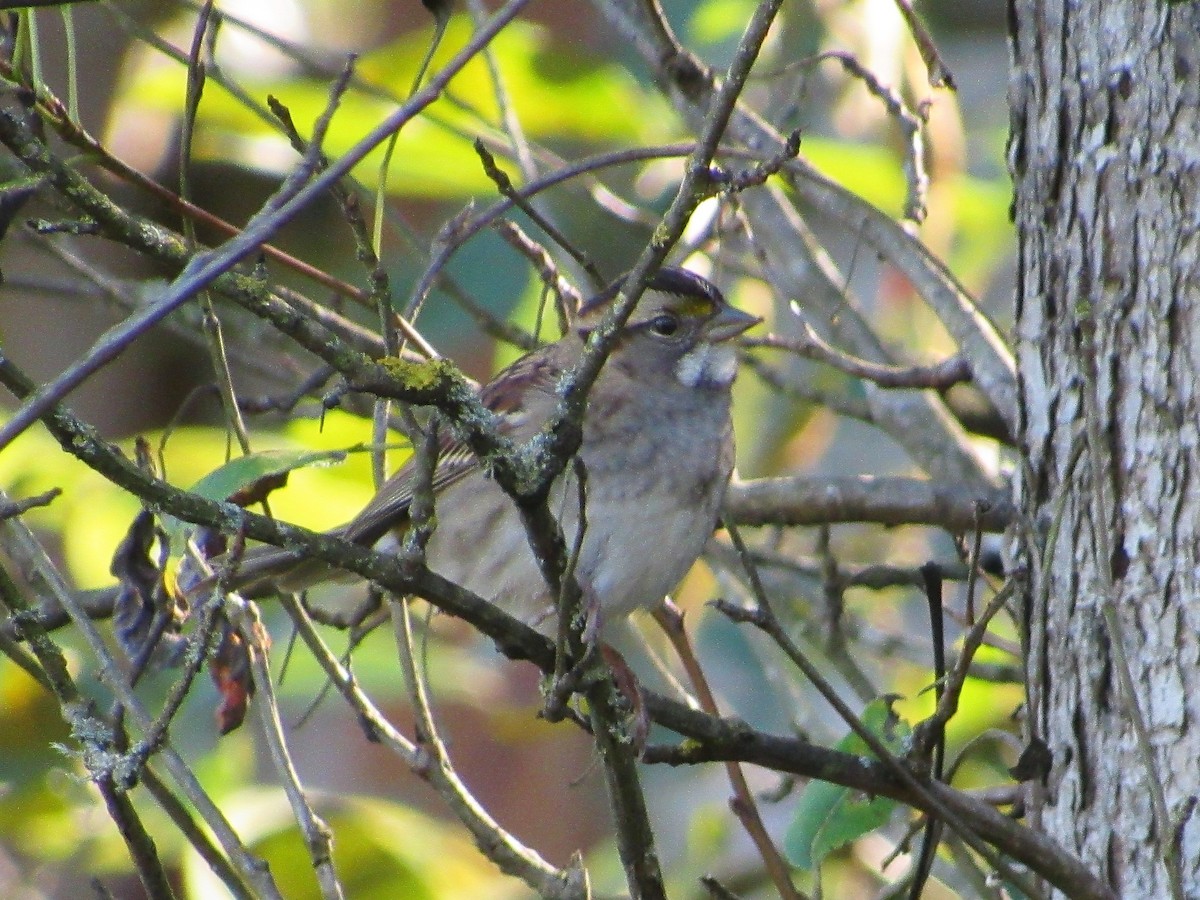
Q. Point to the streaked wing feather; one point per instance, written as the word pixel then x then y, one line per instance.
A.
pixel 389 507
pixel 506 395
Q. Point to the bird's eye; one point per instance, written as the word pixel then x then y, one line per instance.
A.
pixel 664 325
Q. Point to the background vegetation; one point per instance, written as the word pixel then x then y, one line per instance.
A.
pixel 210 105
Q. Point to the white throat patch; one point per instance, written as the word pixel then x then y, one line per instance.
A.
pixel 707 365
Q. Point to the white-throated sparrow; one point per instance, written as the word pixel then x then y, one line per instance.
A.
pixel 657 448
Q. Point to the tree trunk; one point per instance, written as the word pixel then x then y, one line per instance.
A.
pixel 1105 156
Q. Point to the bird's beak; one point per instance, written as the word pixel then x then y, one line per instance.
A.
pixel 729 323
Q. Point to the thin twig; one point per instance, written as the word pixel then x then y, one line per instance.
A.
pixel 974 568
pixel 744 807
pixel 11 647
pixel 829 636
pixel 498 845
pixel 508 114
pixel 570 626
pixel 194 658
pixel 939 376
pixel 939 75
pixel 874 576
pixel 935 735
pixel 567 299
pixel 763 169
pixel 12 508
pixel 505 186
pixel 910 123
pixel 318 839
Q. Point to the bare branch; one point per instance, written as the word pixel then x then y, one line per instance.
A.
pixel 798 500
pixel 317 836
pixel 11 508
pixel 809 345
pixel 939 75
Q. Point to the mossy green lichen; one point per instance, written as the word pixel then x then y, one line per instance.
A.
pixel 689 746
pixel 424 377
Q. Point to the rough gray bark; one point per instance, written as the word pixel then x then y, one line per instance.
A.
pixel 1105 155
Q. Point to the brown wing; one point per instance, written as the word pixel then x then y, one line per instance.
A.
pixel 389 507
pixel 521 396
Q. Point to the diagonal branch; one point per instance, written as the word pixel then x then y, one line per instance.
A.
pixel 206 267
pixel 95 736
pixel 939 376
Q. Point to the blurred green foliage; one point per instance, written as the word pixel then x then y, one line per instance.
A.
pixel 561 94
pixel 384 851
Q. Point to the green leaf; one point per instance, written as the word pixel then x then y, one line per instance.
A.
pixel 830 816
pixel 241 472
pixel 244 472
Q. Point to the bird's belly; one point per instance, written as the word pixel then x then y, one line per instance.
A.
pixel 634 565
pixel 635 548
